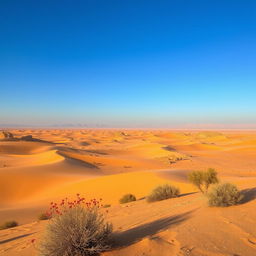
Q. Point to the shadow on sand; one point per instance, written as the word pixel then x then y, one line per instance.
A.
pixel 15 238
pixel 249 195
pixel 187 194
pixel 134 235
pixel 181 195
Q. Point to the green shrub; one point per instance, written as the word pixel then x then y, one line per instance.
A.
pixel 225 194
pixel 43 216
pixel 9 224
pixel 78 231
pixel 127 198
pixel 203 179
pixel 163 192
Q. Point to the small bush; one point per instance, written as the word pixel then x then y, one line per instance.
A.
pixel 43 216
pixel 225 194
pixel 127 198
pixel 9 224
pixel 203 179
pixel 163 192
pixel 76 228
pixel 106 205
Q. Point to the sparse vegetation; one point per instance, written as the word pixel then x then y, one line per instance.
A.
pixel 223 195
pixel 43 216
pixel 127 198
pixel 76 228
pixel 163 192
pixel 9 224
pixel 203 179
pixel 106 205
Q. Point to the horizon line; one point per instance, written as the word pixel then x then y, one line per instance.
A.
pixel 200 127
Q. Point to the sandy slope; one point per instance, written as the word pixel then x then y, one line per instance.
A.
pixel 109 163
pixel 181 226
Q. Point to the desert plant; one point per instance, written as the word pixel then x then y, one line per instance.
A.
pixel 127 198
pixel 210 177
pixel 197 178
pixel 76 228
pixel 106 205
pixel 9 224
pixel 203 179
pixel 225 194
pixel 43 216
pixel 163 192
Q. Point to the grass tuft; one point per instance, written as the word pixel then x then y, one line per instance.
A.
pixel 163 192
pixel 9 224
pixel 127 198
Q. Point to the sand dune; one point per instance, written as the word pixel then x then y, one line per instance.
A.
pixel 45 158
pixel 110 163
pixel 198 147
pixel 22 147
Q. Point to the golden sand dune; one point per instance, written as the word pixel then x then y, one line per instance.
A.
pixel 110 163
pixel 198 147
pixel 44 158
pixel 148 150
pixel 123 183
pixel 22 147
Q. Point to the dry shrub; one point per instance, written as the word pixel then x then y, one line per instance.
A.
pixel 210 177
pixel 43 216
pixel 163 192
pixel 127 198
pixel 77 230
pixel 9 224
pixel 225 194
pixel 203 179
pixel 196 178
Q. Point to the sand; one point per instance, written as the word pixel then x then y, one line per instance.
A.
pixel 110 163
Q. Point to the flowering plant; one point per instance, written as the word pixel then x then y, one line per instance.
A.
pixel 65 204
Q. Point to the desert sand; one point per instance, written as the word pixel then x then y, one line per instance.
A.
pixel 107 164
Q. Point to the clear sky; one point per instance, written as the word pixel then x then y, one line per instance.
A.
pixel 131 63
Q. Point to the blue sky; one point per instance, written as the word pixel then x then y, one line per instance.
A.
pixel 169 64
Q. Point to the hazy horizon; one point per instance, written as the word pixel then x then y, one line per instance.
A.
pixel 217 127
